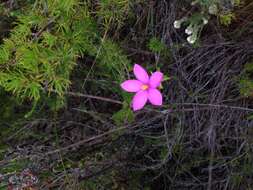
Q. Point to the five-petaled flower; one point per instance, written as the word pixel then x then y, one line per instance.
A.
pixel 145 88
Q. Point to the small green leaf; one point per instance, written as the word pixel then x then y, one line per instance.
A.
pixel 125 115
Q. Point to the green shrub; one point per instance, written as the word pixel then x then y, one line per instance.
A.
pixel 43 48
pixel 48 38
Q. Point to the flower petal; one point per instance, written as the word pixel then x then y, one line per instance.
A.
pixel 155 97
pixel 141 74
pixel 155 79
pixel 139 100
pixel 131 85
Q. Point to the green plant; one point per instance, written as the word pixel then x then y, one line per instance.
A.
pixel 246 80
pixel 113 12
pixel 39 55
pixel 125 114
pixel 227 18
pixel 112 61
pixel 197 20
pixel 156 46
pixel 42 49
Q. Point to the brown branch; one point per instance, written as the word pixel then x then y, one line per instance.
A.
pixel 216 106
pixel 82 142
pixel 77 94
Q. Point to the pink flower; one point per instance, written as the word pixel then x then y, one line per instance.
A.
pixel 145 88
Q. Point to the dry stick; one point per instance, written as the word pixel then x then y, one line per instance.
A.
pixel 118 129
pixel 77 94
pixel 98 53
pixel 182 104
pixel 121 128
pixel 216 106
pixel 82 142
pixel 79 143
pixel 210 170
pixel 164 112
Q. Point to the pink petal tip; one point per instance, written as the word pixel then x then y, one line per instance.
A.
pixel 139 100
pixel 156 79
pixel 141 74
pixel 155 97
pixel 131 85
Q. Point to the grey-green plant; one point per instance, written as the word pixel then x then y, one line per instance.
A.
pixel 195 22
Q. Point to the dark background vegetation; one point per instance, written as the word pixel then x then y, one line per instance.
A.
pixel 86 137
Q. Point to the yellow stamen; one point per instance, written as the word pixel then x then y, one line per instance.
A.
pixel 144 87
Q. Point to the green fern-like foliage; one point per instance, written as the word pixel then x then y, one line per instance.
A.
pixel 43 48
pixel 112 61
pixel 39 54
pixel 49 37
pixel 113 12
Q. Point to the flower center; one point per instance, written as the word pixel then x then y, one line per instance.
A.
pixel 144 87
